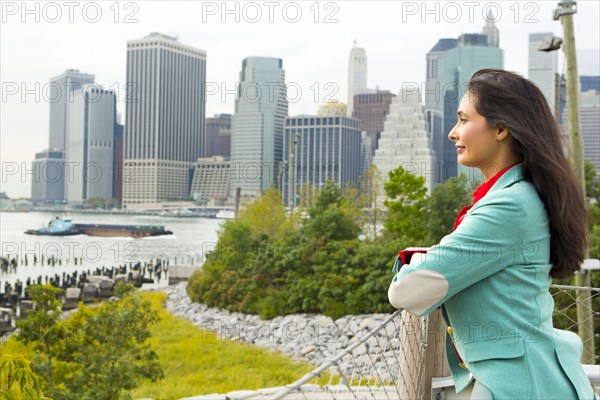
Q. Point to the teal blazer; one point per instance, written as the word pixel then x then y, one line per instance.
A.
pixel 491 278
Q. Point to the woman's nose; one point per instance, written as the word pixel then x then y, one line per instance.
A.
pixel 452 134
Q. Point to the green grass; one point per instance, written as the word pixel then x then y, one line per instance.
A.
pixel 197 363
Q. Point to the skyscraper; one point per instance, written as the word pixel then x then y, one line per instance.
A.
pixel 491 30
pixel 435 73
pixel 450 64
pixel 357 75
pixel 405 141
pixel 326 148
pixel 371 109
pixel 218 136
pixel 460 63
pixel 366 154
pixel 543 68
pixel 434 104
pixel 62 89
pixel 90 145
pixel 118 163
pixel 48 183
pixel 164 124
pixel 589 114
pixel 257 125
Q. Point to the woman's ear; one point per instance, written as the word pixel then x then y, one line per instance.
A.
pixel 502 133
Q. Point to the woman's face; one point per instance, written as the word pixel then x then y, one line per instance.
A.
pixel 479 141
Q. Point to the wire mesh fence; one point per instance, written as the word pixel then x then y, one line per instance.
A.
pixel 379 366
pixel 577 309
pixel 388 363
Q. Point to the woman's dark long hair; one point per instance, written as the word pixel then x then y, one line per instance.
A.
pixel 508 100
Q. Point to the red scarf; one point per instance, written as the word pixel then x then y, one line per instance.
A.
pixel 479 193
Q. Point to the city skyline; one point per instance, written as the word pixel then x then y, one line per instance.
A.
pixel 25 123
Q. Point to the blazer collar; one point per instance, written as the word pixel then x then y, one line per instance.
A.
pixel 513 175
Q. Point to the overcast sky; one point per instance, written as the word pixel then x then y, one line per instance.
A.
pixel 313 39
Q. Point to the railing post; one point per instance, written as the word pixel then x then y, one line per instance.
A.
pixel 436 364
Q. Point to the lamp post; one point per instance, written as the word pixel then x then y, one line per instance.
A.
pixel 564 13
pixel 292 170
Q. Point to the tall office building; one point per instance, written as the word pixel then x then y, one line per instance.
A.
pixel 588 83
pixel 543 68
pixel 406 143
pixel 434 83
pixel 435 86
pixel 589 117
pixel 257 125
pixel 325 149
pixel 218 136
pixel 90 145
pixel 62 90
pixel 357 75
pixel 118 163
pixel 48 183
pixel 460 63
pixel 164 126
pixel 450 65
pixel 371 109
pixel 366 153
pixel 211 184
pixel 46 188
pixel 491 30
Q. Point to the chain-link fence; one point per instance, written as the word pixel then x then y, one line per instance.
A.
pixel 379 366
pixel 576 309
pixel 389 361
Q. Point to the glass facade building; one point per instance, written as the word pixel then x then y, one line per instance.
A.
pixel 257 125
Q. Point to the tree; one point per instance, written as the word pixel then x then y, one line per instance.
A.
pixel 267 216
pixel 98 202
pixel 332 217
pixel 42 326
pixel 566 314
pixel 108 351
pixel 406 199
pixel 100 352
pixel 17 380
pixel 592 182
pixel 443 206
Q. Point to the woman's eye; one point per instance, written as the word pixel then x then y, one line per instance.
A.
pixel 463 120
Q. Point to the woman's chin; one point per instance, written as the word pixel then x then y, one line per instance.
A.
pixel 466 163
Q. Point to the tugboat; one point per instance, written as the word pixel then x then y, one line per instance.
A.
pixel 63 227
pixel 56 227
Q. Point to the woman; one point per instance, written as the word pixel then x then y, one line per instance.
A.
pixel 491 275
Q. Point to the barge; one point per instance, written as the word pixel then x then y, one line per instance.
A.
pixel 64 227
pixel 136 231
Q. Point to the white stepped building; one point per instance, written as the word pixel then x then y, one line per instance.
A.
pixel 405 141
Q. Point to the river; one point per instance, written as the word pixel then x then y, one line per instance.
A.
pixel 191 239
